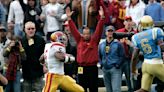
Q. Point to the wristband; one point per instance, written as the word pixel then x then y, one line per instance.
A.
pixel 72 58
pixel 66 59
pixel 8 49
pixel 21 50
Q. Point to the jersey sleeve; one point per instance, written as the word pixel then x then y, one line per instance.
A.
pixel 157 34
pixel 160 34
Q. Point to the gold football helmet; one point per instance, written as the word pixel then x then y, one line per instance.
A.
pixel 59 37
pixel 146 22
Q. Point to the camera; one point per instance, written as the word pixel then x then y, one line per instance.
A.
pixel 120 35
pixel 16 43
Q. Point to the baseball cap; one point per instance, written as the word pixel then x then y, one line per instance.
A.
pixel 2 28
pixel 128 18
pixel 110 28
pixel 66 23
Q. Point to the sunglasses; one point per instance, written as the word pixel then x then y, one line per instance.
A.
pixel 110 30
pixel 30 28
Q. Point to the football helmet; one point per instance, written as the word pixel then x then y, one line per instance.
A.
pixel 59 37
pixel 146 22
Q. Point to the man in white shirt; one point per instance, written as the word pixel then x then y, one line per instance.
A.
pixel 52 15
pixel 16 17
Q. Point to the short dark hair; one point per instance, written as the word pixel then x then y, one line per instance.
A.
pixel 85 27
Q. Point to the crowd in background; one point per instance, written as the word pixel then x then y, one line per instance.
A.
pixel 22 43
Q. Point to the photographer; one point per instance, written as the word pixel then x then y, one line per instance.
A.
pixel 15 54
pixel 127 44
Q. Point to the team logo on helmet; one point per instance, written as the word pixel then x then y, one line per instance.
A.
pixel 59 37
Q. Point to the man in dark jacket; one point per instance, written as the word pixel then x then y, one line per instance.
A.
pixel 31 68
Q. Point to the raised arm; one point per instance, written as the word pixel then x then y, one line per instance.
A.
pixel 72 26
pixel 99 27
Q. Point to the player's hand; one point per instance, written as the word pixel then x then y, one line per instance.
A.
pixel 135 72
pixel 45 69
pixel 72 58
pixel 69 58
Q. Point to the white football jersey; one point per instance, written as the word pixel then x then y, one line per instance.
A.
pixel 54 65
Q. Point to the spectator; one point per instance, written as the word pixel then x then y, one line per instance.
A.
pixel 3 43
pixel 111 55
pixel 15 54
pixel 3 81
pixel 150 43
pixel 42 6
pixel 16 16
pixel 119 12
pixel 162 4
pixel 108 12
pixel 31 68
pixel 55 57
pixel 87 13
pixel 128 51
pixel 136 10
pixel 32 13
pixel 87 52
pixel 155 10
pixel 52 15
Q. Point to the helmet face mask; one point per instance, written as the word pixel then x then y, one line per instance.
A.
pixel 59 37
pixel 146 22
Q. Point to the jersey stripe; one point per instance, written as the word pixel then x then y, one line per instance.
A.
pixel 57 44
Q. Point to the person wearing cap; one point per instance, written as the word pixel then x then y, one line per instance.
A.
pixel 127 44
pixel 3 43
pixel 111 54
pixel 135 9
